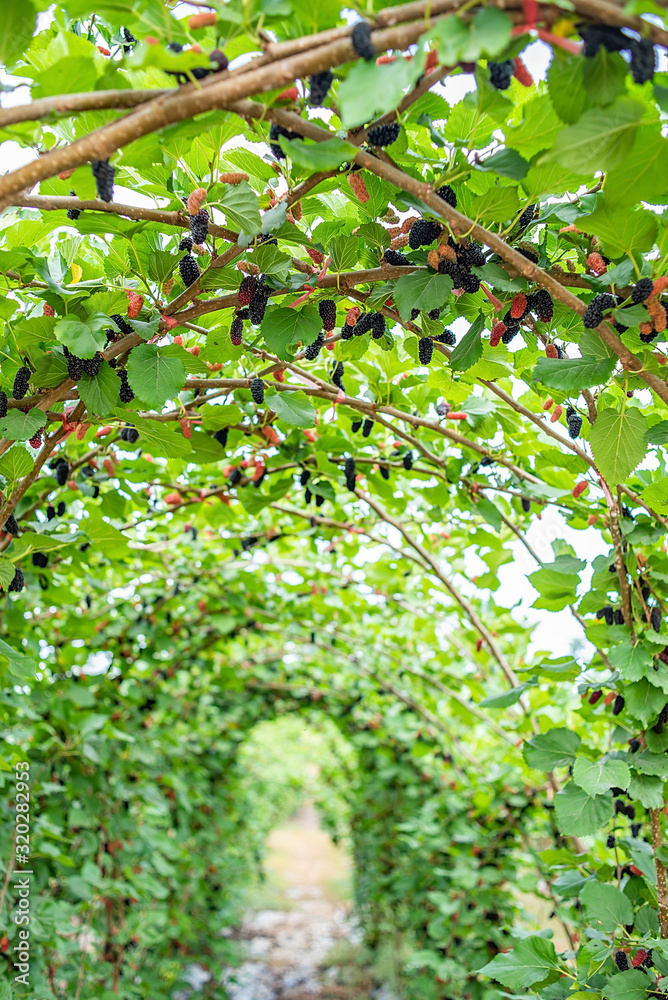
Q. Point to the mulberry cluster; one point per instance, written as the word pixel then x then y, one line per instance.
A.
pixel 91 366
pixel 258 303
pixel 448 195
pixel 327 310
pixel 383 135
pixel 422 233
pixel 447 337
pixel 189 270
pixel 104 174
pixel 74 365
pixel 246 289
pixel 350 471
pixel 130 434
pixel 73 213
pixel 395 258
pixel 237 331
pixel 643 57
pixel 425 350
pixel 257 391
pixel 199 226
pixel 598 305
pixel 501 73
pixel 126 394
pixel 642 290
pixel 275 132
pixel 573 422
pixel 361 41
pixel 313 350
pixel 319 85
pixel 21 382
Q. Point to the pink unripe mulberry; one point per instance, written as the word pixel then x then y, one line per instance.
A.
pixel 80 432
pixel 497 333
pixel 551 351
pixel 48 310
pixel 186 427
pixel 233 177
pixel 548 404
pixel 657 313
pixel 359 187
pixel 596 263
pixel 433 259
pixel 196 199
pixel 521 73
pixel 173 499
pixel 518 306
pixel 109 467
pixel 203 20
pixel 353 315
pixel 135 304
pixel 195 351
pixel 660 285
pixel 103 431
pixel 579 488
pixel 556 413
pixel 316 256
pixel 178 339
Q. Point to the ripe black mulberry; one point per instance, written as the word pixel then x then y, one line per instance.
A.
pixel 448 195
pixel 643 59
pixel 21 382
pixel 275 132
pixel 337 375
pixel 40 559
pixel 618 704
pixel 74 366
pixel 313 350
pixel 573 422
pixel 257 391
pixel 18 583
pixel 327 310
pixel 543 305
pixel 3 404
pixel 91 366
pixel 246 289
pixel 125 392
pixel 62 471
pixel 122 324
pixel 655 619
pixel 11 526
pixel 622 961
pixel 367 428
pixel 526 217
pixel 363 325
pixel 189 270
pixel 383 135
pixel 104 174
pixel 501 73
pixel 377 325
pixel 447 337
pixel 425 350
pixel 598 305
pixel 221 436
pixel 199 226
pixel 422 233
pixel 319 85
pixel 408 460
pixel 73 213
pixel 186 244
pixel 258 304
pixel 237 331
pixel 361 41
pixel 642 290
pixel 350 471
pixel 395 258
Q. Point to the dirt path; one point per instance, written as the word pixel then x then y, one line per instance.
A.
pixel 286 946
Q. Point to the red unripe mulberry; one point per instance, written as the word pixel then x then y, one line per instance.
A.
pixel 196 200
pixel 173 499
pixel 595 696
pixel 109 467
pixel 518 306
pixel 203 20
pixel 551 351
pixel 353 315
pixel 556 413
pixel 316 256
pixel 579 488
pixel 135 304
pixel 48 310
pixel 186 427
pixel 359 187
pixel 596 263
pixel 521 73
pixel 456 415
pixel 497 333
pixel 548 404
pixel 660 285
pixel 233 177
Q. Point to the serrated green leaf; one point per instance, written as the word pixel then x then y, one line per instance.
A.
pixel 618 441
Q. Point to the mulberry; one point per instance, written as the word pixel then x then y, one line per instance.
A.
pixel 73 213
pixel 363 325
pixel 350 471
pixel 257 391
pixel 319 85
pixel 573 422
pixel 236 331
pixel 74 366
pixel 40 559
pixel 235 476
pixel 18 583
pixel 643 60
pixel 359 188
pixel 258 304
pixel 518 306
pixel 475 255
pixel 422 233
pixel 130 434
pixel 447 337
pixel 199 226
pixel 448 195
pixel 595 696
pixel 247 289
pixel 425 350
pixel 337 375
pixel 642 290
pixel 469 282
pixel 122 324
pixel 62 471
pixel 497 333
pixel 598 36
pixel 610 842
pixel 104 174
pixel 11 526
pixel 36 439
pixel 647 333
pixel 385 472
pixel 275 132
pixel 21 382
pixel 618 617
pixel 655 619
pixel 126 394
pixel 501 73
pixel 543 305
pixel 377 325
pixel 189 270
pixel 528 251
pixel 361 41
pixel 407 461
pixel 50 512
pixel 528 214
pixel 3 404
pixel 594 313
pixel 596 264
pixel 367 427
pixel 622 961
pixel 316 256
pixel 395 258
pixel 313 350
pixel 511 332
pixel 91 366
pixel 186 244
pixel 135 304
pixel 327 310
pixel 634 744
pixel 355 426
pixel 221 436
pixel 244 314
pixel 383 135
pixel 618 704
pixel 526 505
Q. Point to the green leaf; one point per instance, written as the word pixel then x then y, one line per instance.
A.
pixel 371 89
pixel 271 261
pixel 643 700
pixel 20 426
pixel 633 662
pixel 17 24
pixel 574 374
pixel 578 814
pixel 496 205
pixel 294 408
pixel 620 229
pixel 83 337
pixel 7 572
pixel 648 790
pixel 600 140
pixel 598 776
pixel 618 442
pixel 421 290
pixel 15 464
pixel 344 252
pixel 630 985
pixel 656 495
pixel 505 698
pixel 469 349
pixel 50 370
pixel 606 907
pixel 564 76
pixel 530 961
pixel 100 394
pixel 555 748
pixel 489 34
pixel 327 155
pixel 604 76
pixel 650 763
pixel 153 377
pixel 241 207
pixel 285 327
pixel 506 163
pixel 644 169
pixel 20 666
